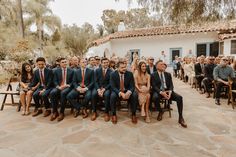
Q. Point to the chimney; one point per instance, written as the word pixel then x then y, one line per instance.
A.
pixel 121 26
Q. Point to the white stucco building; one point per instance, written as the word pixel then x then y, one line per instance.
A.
pixel 209 39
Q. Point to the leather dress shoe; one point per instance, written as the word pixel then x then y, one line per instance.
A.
pixel 134 119
pixel 47 113
pixel 114 119
pixel 76 113
pixel 85 113
pixel 159 117
pixel 217 101
pixel 107 117
pixel 182 122
pixel 94 116
pixel 54 116
pixel 37 112
pixel 61 117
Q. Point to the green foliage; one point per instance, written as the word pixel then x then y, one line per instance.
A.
pixel 190 11
pixel 56 37
pixel 134 18
pixel 76 38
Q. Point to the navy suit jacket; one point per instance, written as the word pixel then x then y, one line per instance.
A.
pixel 198 69
pixel 57 79
pixel 128 81
pixel 154 69
pixel 88 79
pixel 101 82
pixel 48 79
pixel 156 82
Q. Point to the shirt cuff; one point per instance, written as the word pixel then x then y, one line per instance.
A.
pixel 129 92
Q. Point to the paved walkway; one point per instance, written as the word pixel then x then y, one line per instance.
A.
pixel 211 132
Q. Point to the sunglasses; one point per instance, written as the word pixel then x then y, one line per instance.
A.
pixel 151 59
pixel 225 60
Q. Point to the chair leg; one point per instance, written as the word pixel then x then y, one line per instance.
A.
pixel 3 102
pixel 18 107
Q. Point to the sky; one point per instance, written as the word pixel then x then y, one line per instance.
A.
pixel 81 11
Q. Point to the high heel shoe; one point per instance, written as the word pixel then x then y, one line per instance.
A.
pixel 147 119
pixel 27 113
pixel 23 113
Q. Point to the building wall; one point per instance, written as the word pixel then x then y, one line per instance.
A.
pixel 152 46
pixel 99 50
pixel 227 47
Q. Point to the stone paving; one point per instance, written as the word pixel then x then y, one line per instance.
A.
pixel 211 132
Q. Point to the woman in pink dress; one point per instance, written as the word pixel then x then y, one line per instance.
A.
pixel 142 84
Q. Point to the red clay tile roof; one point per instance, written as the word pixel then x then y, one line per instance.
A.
pixel 227 36
pixel 219 27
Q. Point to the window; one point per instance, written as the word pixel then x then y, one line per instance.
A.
pixel 233 46
pixel 201 49
pixel 214 49
pixel 221 48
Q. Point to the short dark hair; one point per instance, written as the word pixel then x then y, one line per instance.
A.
pixel 104 59
pixel 62 58
pixel 40 59
pixel 159 61
pixel 120 62
pixel 91 58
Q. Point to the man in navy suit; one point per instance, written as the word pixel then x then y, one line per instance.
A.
pixel 83 82
pixel 199 72
pixel 122 87
pixel 62 81
pixel 162 86
pixel 151 68
pixel 42 77
pixel 102 88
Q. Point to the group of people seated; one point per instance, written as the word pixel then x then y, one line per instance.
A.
pixel 209 74
pixel 140 83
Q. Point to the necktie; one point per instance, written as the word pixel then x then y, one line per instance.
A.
pixel 103 73
pixel 42 77
pixel 162 82
pixel 82 83
pixel 63 77
pixel 122 86
pixel 202 66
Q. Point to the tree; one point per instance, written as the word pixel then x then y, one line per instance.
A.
pixel 76 39
pixel 134 18
pixel 41 15
pixel 190 11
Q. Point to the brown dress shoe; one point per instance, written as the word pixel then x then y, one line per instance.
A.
pixel 107 117
pixel 47 113
pixel 182 122
pixel 134 119
pixel 37 112
pixel 159 117
pixel 85 113
pixel 76 113
pixel 54 116
pixel 94 116
pixel 114 119
pixel 61 117
pixel 207 95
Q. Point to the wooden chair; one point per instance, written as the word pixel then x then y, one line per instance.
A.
pixel 231 92
pixel 12 92
pixel 166 106
pixel 225 89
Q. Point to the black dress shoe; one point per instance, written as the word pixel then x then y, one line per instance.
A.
pixel 182 122
pixel 217 102
pixel 76 113
pixel 159 117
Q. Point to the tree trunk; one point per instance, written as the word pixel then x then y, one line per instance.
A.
pixel 39 25
pixel 22 28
